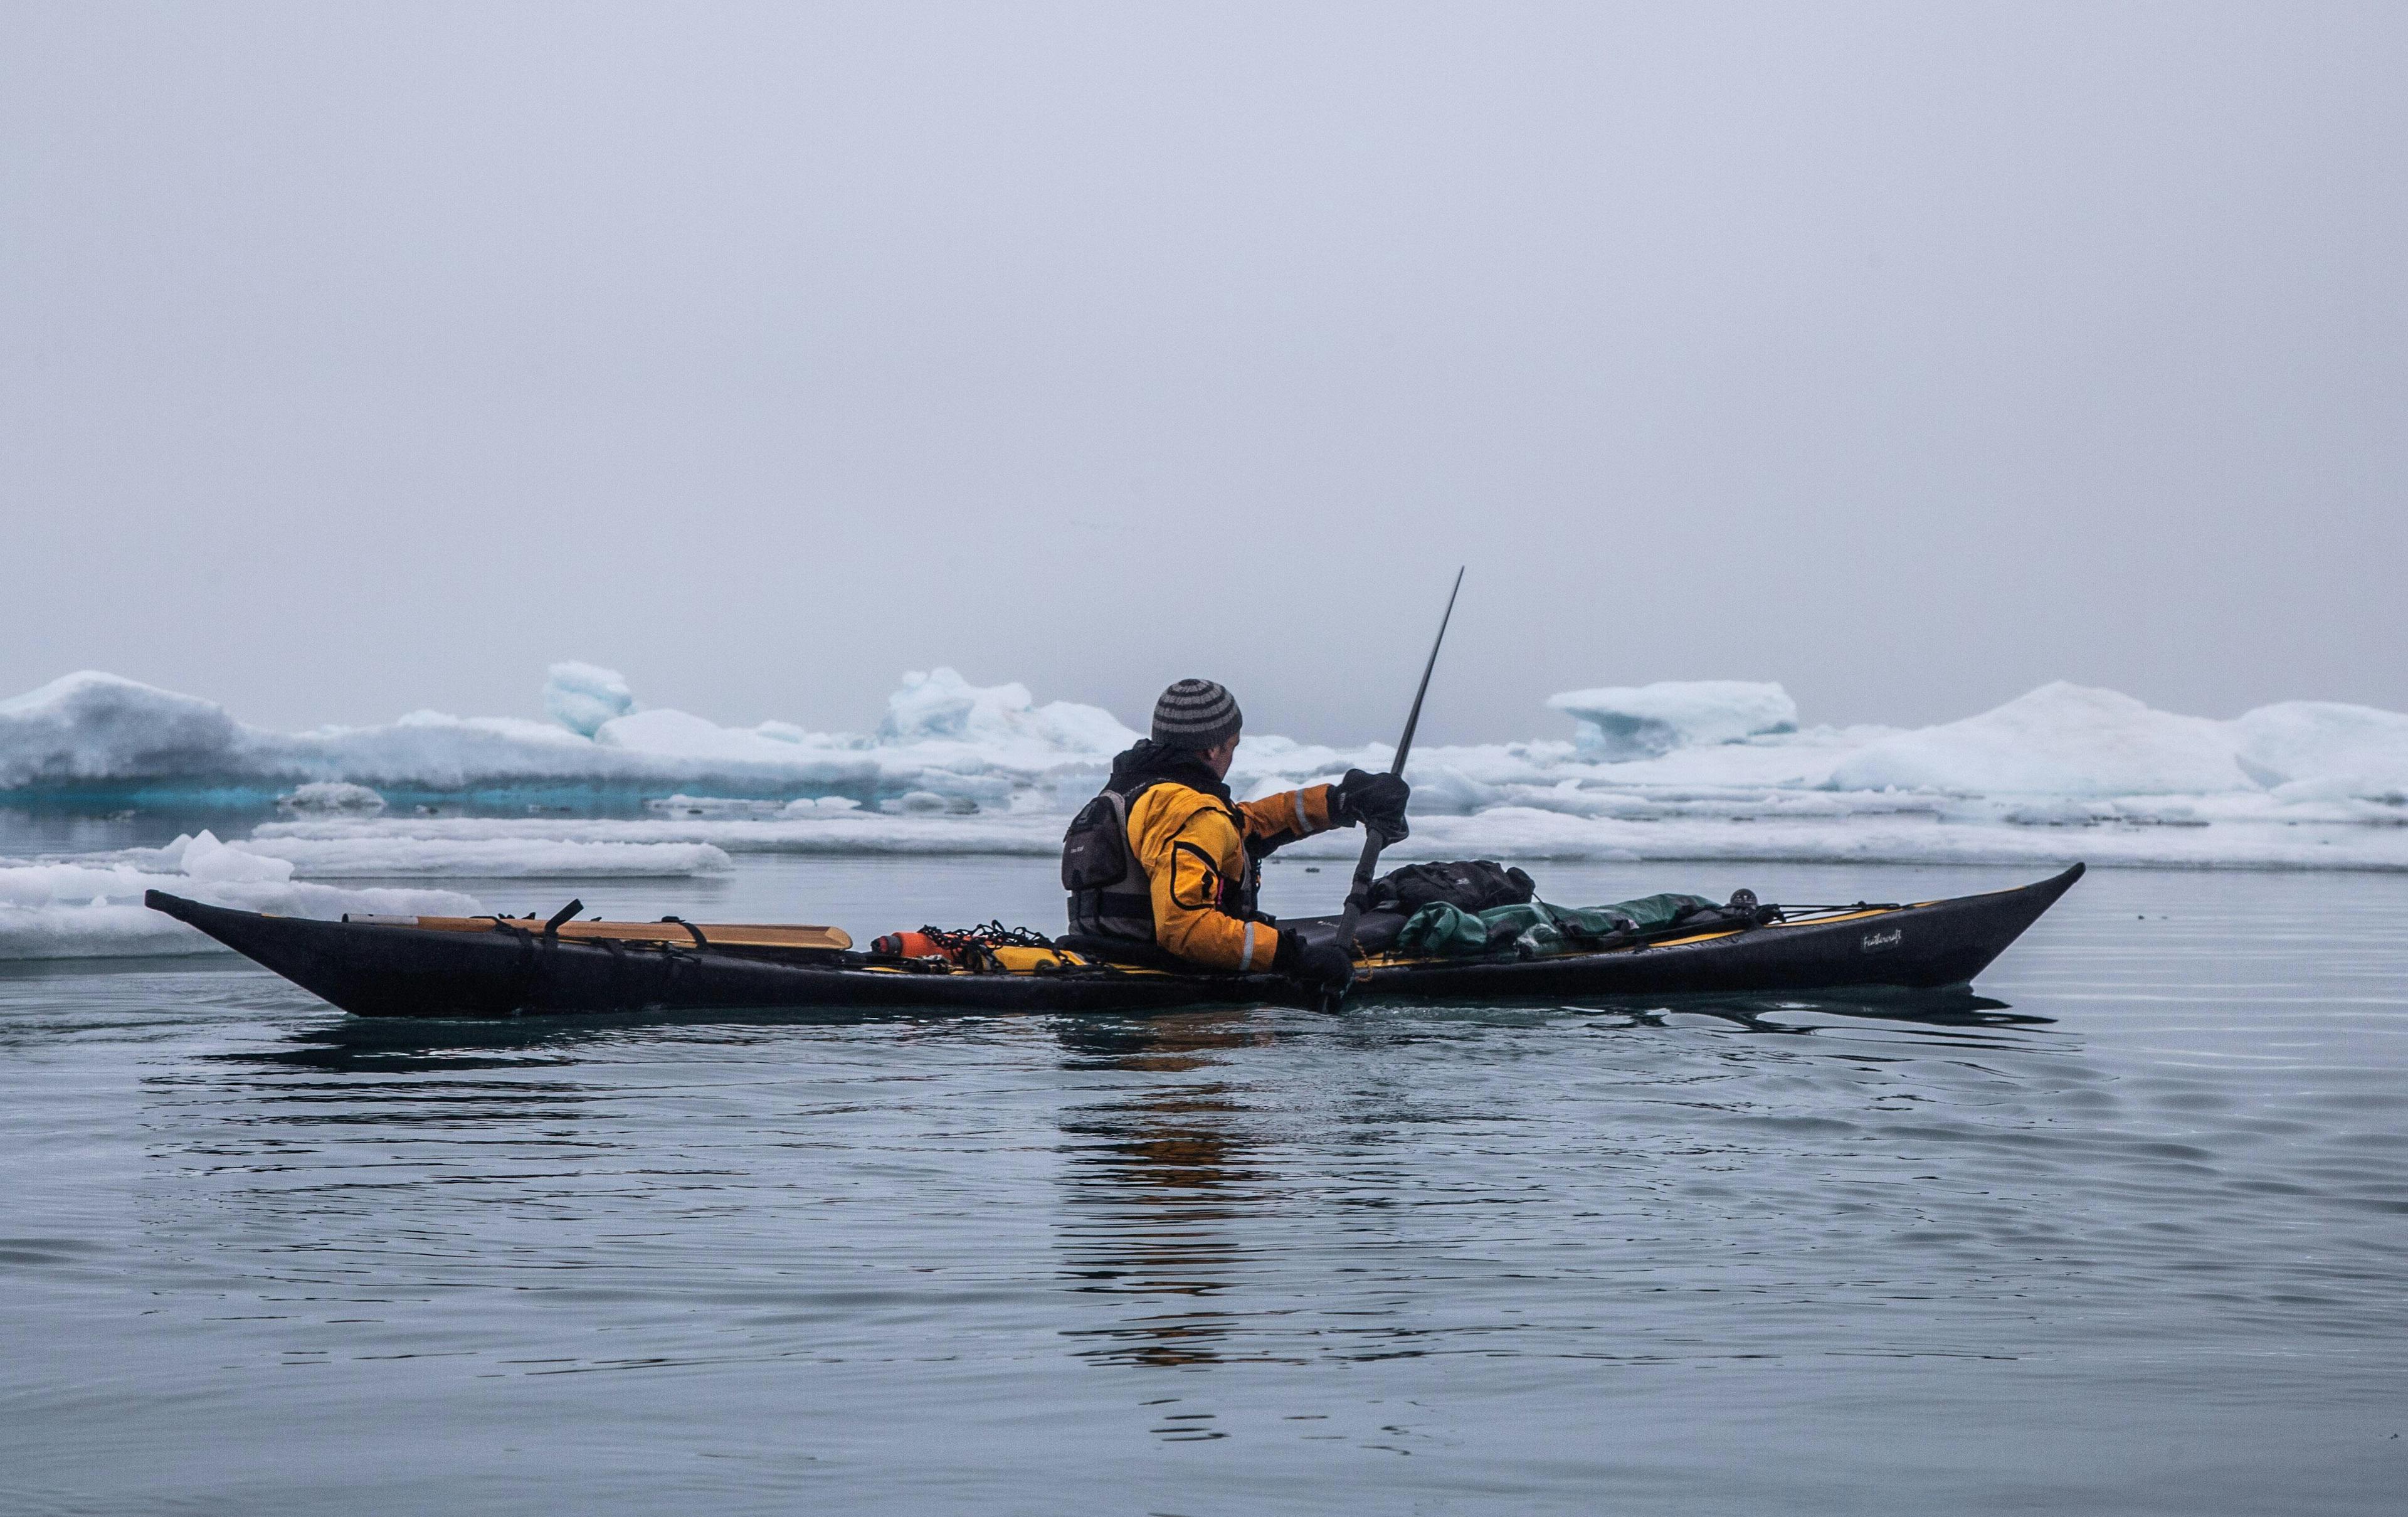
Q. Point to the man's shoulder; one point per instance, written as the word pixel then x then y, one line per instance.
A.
pixel 1167 803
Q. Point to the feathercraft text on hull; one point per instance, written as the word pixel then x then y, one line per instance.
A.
pixel 490 966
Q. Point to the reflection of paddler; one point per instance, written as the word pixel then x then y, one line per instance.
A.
pixel 1167 860
pixel 1165 1044
pixel 1156 1176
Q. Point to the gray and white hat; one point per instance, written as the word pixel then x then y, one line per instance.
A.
pixel 1196 713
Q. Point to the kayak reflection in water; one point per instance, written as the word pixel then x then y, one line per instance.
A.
pixel 1162 1181
pixel 1165 862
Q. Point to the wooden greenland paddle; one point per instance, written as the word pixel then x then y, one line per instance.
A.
pixel 1358 895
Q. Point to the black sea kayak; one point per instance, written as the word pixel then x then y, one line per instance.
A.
pixel 395 968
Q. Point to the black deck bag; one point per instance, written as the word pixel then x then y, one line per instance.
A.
pixel 1375 932
pixel 1472 885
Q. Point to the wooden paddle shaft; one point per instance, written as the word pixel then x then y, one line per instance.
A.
pixel 1359 892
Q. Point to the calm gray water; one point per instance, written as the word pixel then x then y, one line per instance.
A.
pixel 2131 1241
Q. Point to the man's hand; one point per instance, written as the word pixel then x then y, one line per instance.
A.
pixel 1324 967
pixel 1378 799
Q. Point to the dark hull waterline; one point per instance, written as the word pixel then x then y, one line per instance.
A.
pixel 375 971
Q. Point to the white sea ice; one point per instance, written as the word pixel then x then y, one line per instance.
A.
pixel 1628 721
pixel 682 734
pixel 809 830
pixel 2250 832
pixel 206 858
pixel 2060 739
pixel 95 732
pixel 89 726
pixel 682 804
pixel 93 908
pixel 940 706
pixel 2344 749
pixel 1721 768
pixel 583 696
pixel 399 847
pixel 376 857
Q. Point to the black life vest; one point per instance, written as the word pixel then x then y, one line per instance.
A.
pixel 1110 895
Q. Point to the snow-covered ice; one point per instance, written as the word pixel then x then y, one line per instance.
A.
pixel 725 828
pixel 1702 770
pixel 88 728
pixel 1626 722
pixel 105 739
pixel 92 907
pixel 395 852
pixel 2315 749
pixel 400 848
pixel 583 696
pixel 2060 739
pixel 1732 826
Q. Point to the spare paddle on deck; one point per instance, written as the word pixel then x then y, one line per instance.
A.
pixel 1359 894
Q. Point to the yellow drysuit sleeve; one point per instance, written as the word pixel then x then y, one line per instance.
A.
pixel 1284 818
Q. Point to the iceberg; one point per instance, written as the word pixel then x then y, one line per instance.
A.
pixel 583 696
pixel 939 706
pixel 92 727
pixel 2326 747
pixel 2060 739
pixel 97 737
pixel 1628 721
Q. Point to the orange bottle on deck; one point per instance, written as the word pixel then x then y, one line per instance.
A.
pixel 909 945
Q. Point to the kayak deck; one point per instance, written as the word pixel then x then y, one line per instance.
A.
pixel 667 930
pixel 496 967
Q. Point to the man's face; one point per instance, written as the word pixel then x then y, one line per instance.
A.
pixel 1217 757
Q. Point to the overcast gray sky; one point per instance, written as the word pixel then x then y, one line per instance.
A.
pixel 357 358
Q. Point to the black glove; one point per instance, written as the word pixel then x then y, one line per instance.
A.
pixel 1320 966
pixel 1376 798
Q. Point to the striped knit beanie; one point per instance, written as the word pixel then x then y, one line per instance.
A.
pixel 1196 713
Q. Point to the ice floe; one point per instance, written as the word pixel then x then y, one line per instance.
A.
pixel 2060 739
pixel 390 855
pixel 1628 721
pixel 723 826
pixel 1703 769
pixel 2308 750
pixel 88 728
pixel 401 849
pixel 1734 825
pixel 92 907
pixel 100 737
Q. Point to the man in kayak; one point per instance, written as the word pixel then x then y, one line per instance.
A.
pixel 1166 859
